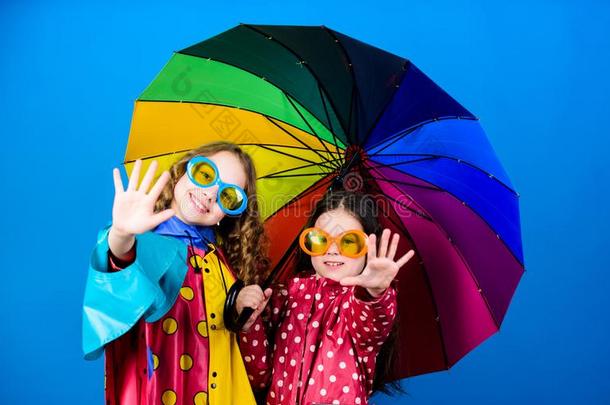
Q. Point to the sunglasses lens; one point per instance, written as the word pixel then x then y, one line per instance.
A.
pixel 352 244
pixel 315 242
pixel 203 173
pixel 232 198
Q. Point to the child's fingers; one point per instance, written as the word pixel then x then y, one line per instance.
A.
pixel 155 192
pixel 246 300
pixel 372 248
pixel 403 260
pixel 150 173
pixel 253 293
pixel 251 302
pixel 161 217
pixel 258 296
pixel 267 296
pixel 383 245
pixel 118 183
pixel 393 246
pixel 251 320
pixel 135 176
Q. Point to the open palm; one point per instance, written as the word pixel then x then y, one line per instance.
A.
pixel 381 268
pixel 133 210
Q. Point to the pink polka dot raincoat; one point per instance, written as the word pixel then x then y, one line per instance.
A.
pixel 323 342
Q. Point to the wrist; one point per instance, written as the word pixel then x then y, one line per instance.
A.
pixel 120 242
pixel 375 292
pixel 119 234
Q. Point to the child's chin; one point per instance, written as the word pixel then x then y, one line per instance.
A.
pixel 330 274
pixel 201 220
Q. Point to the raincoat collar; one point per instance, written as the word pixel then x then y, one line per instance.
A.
pixel 201 235
pixel 322 284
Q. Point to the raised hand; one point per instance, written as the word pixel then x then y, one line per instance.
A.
pixel 381 268
pixel 252 296
pixel 133 209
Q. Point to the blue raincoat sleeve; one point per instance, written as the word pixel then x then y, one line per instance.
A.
pixel 115 301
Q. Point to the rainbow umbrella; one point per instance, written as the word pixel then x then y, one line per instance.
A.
pixel 317 109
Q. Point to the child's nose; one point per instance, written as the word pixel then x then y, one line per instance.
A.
pixel 333 249
pixel 211 193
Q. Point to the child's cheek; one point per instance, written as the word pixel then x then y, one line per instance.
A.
pixel 316 263
pixel 218 213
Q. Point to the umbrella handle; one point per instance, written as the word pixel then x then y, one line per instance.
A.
pixel 230 317
pixel 232 320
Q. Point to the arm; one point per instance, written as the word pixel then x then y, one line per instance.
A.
pixel 117 264
pixel 371 307
pixel 256 352
pixel 369 319
pixel 115 300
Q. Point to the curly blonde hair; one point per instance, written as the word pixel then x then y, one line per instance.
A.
pixel 242 238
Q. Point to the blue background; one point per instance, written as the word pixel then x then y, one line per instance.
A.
pixel 536 73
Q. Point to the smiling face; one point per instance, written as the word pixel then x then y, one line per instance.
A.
pixel 199 206
pixel 333 264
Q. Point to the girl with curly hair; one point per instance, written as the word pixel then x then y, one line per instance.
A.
pixel 159 275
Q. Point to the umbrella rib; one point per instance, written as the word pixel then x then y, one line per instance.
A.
pixel 264 146
pixel 296 138
pixel 273 274
pixel 416 212
pixel 292 169
pixel 303 193
pixel 332 129
pixel 349 125
pixel 274 176
pixel 390 99
pixel 157 155
pixel 431 156
pixel 406 183
pixel 459 253
pixel 302 63
pixel 404 162
pixel 306 122
pixel 287 146
pixel 403 132
pixel 350 67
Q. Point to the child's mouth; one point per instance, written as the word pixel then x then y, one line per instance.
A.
pixel 333 264
pixel 198 205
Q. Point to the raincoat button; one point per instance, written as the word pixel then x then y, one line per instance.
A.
pixel 213 385
pixel 214 374
pixel 196 261
pixel 212 315
pixel 213 327
pixel 207 270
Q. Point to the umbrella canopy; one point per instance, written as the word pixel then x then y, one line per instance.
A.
pixel 313 106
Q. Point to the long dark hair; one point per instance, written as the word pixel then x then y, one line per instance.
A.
pixel 363 207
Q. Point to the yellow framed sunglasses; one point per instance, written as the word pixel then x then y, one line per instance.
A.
pixel 316 242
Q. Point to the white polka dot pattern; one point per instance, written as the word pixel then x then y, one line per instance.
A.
pixel 326 339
